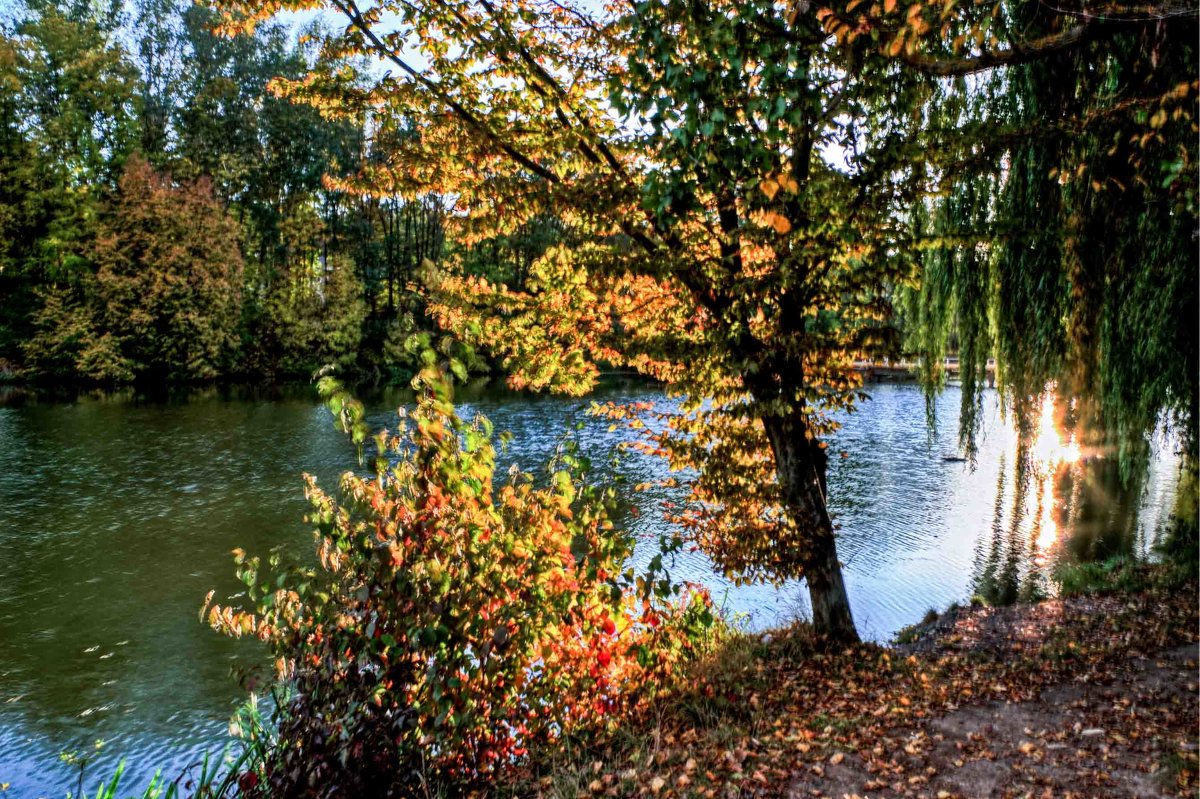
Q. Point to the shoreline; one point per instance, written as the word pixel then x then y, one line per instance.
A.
pixel 1090 695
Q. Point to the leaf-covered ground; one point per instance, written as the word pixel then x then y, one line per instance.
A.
pixel 1081 697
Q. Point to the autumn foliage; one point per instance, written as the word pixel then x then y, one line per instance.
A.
pixel 743 191
pixel 165 300
pixel 169 276
pixel 452 622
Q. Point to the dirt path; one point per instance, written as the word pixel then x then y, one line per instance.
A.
pixel 1074 698
pixel 1129 736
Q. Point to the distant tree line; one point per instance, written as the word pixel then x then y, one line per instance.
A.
pixel 164 216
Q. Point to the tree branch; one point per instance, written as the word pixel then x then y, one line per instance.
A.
pixel 1017 53
pixel 596 141
pixel 352 13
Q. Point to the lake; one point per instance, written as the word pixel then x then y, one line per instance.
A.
pixel 118 515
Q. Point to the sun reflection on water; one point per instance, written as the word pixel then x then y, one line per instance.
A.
pixel 1049 449
pixel 1051 453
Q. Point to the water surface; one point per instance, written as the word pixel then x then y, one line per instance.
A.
pixel 117 516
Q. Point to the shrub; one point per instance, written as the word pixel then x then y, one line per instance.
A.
pixel 452 623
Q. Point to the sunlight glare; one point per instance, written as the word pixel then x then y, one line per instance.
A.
pixel 1047 526
pixel 1049 449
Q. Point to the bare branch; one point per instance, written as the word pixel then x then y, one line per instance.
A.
pixel 1017 53
pixel 1130 13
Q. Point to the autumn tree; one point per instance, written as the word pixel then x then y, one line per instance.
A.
pixel 747 184
pixel 735 270
pixel 169 276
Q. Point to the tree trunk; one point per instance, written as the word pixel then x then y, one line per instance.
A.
pixel 800 464
pixel 827 592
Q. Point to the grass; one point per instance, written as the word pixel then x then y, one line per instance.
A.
pixel 210 778
pixel 913 632
pixel 1176 769
pixel 1114 574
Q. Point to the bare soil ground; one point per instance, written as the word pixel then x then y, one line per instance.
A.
pixel 1132 733
pixel 1092 696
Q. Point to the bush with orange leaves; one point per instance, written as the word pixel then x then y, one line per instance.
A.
pixel 454 622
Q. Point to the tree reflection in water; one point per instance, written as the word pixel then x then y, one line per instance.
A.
pixel 1055 505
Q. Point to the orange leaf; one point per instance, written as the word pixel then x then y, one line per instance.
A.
pixel 779 223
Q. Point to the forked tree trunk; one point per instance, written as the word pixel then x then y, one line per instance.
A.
pixel 800 464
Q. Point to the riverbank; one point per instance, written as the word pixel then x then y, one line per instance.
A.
pixel 1085 696
pixel 125 513
pixel 15 392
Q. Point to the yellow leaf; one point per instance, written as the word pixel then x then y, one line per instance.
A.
pixel 770 188
pixel 779 223
pixel 789 184
pixel 657 784
pixel 204 608
pixel 889 6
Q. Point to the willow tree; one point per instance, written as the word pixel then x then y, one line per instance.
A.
pixel 741 176
pixel 1069 252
